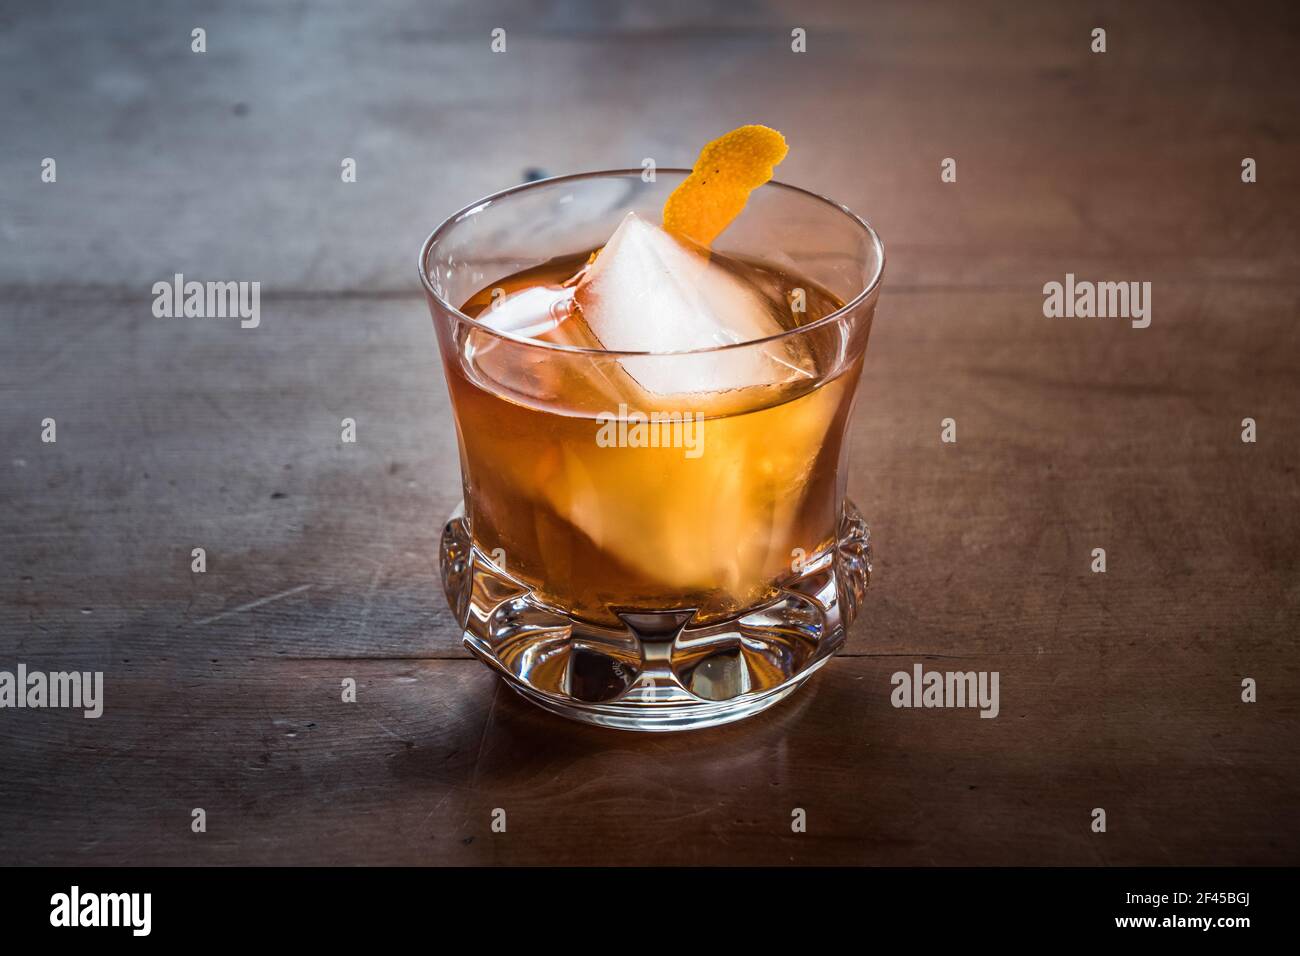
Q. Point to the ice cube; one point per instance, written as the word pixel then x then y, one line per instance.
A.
pixel 649 291
pixel 531 313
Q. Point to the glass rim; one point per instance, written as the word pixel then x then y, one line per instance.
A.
pixel 459 215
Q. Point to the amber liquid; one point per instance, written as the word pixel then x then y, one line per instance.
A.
pixel 593 528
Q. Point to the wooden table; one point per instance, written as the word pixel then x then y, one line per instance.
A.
pixel 1119 690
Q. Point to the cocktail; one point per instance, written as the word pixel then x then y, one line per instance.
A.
pixel 652 427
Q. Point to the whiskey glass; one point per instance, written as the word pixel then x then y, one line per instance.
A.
pixel 668 586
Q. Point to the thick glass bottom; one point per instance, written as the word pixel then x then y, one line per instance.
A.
pixel 657 672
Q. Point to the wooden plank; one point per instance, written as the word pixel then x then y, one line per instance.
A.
pixel 1072 434
pixel 1064 157
pixel 176 434
pixel 412 772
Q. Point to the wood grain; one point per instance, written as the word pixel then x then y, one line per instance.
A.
pixel 1118 690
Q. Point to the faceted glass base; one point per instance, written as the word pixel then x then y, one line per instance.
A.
pixel 657 672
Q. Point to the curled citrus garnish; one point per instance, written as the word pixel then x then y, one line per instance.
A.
pixel 728 170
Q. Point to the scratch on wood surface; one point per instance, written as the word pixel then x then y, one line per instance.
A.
pixel 252 604
pixel 437 806
pixel 483 738
pixel 380 568
pixel 385 729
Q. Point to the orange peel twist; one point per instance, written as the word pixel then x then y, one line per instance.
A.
pixel 727 171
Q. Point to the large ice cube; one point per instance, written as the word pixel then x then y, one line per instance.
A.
pixel 648 291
